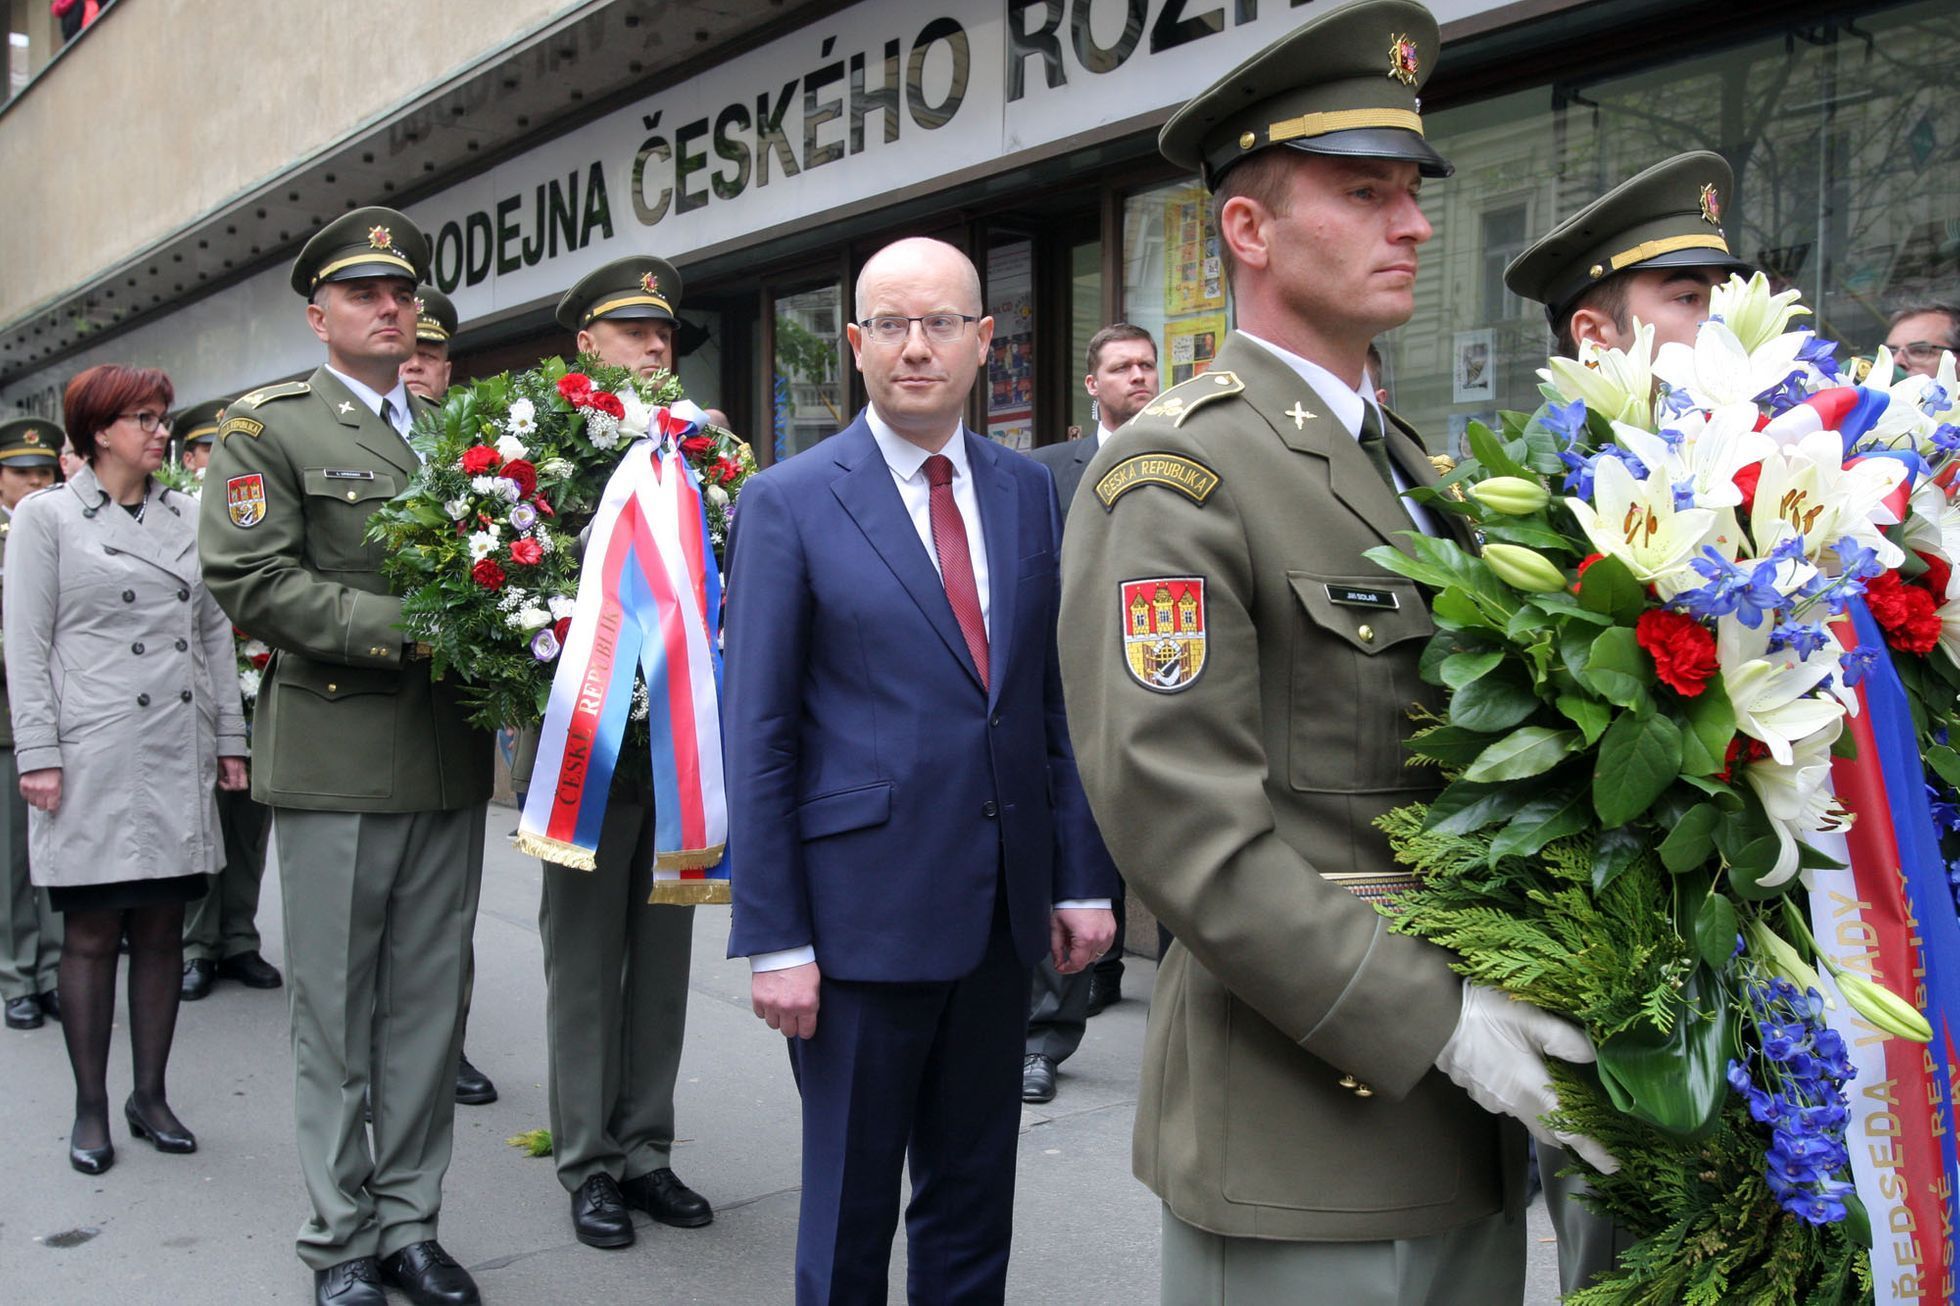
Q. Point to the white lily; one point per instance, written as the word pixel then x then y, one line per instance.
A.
pixel 1797 796
pixel 1711 449
pixel 1805 489
pixel 1717 369
pixel 1752 312
pixel 1617 384
pixel 510 448
pixel 1774 693
pixel 1636 521
pixel 1932 521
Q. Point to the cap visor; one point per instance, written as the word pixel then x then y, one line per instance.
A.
pixel 637 310
pixel 28 460
pixel 1378 143
pixel 1692 258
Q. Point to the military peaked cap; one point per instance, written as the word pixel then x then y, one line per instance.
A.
pixel 640 286
pixel 371 242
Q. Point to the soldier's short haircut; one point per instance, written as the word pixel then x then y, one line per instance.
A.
pixel 1112 333
pixel 1951 311
pixel 1265 178
pixel 1608 297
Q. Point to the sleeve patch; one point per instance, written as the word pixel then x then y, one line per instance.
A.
pixel 1163 631
pixel 245 500
pixel 241 426
pixel 1190 478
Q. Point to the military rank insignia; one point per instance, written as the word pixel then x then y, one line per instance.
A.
pixel 1164 631
pixel 1403 62
pixel 1711 205
pixel 245 499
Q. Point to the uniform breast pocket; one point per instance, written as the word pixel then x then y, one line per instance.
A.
pixel 339 501
pixel 1356 645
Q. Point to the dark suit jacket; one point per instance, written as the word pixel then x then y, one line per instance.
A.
pixel 1066 462
pixel 879 796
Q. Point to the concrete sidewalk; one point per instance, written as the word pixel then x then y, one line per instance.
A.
pixel 218 1226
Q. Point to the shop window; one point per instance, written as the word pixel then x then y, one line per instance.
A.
pixel 1085 319
pixel 808 391
pixel 1011 356
pixel 1842 134
pixel 1173 279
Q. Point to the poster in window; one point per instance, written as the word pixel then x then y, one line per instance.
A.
pixel 1010 360
pixel 1191 343
pixel 1473 367
pixel 1194 278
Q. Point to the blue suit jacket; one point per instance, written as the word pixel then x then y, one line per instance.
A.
pixel 878 794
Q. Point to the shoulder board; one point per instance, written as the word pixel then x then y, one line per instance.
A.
pixel 1186 397
pixel 266 394
pixel 1187 476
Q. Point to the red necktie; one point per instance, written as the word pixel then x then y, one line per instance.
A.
pixel 955 562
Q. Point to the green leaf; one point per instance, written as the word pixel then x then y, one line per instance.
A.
pixel 1711 725
pixel 1616 667
pixel 1530 751
pixel 1450 745
pixel 1532 536
pixel 1945 763
pixel 1466 807
pixel 1610 588
pixel 1692 840
pixel 1490 451
pixel 1498 701
pixel 1724 795
pixel 1811 860
pixel 1613 852
pixel 1460 669
pixel 1589 714
pixel 1677 1081
pixel 1715 930
pixel 1454 608
pixel 1556 815
pixel 1751 863
pixel 1638 760
pixel 1564 605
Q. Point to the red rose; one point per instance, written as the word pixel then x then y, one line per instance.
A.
pixel 480 458
pixel 726 470
pixel 488 574
pixel 1745 481
pixel 1935 578
pixel 561 628
pixel 1682 649
pixel 574 387
pixel 603 402
pixel 696 445
pixel 542 506
pixel 526 476
pixel 259 660
pixel 526 552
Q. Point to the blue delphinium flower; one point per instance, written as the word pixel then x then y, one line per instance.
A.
pixel 1785 394
pixel 1749 593
pixel 1806 637
pixel 1946 438
pixel 1792 1081
pixel 1819 353
pixel 1857 663
pixel 1581 466
pixel 1566 421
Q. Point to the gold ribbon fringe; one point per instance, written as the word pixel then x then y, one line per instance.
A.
pixel 556 851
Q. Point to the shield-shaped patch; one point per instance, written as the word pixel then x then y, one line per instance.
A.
pixel 245 499
pixel 1164 631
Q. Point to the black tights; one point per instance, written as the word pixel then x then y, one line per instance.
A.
pixel 89 949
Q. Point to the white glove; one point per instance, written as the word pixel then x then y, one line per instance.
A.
pixel 1497 1056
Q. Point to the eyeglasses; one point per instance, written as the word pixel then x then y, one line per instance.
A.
pixel 940 328
pixel 146 421
pixel 1920 351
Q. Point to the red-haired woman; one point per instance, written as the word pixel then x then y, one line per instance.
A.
pixel 126 717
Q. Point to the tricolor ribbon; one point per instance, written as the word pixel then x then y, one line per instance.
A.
pixel 649 599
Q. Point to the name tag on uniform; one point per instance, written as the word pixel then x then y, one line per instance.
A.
pixel 348 474
pixel 1362 598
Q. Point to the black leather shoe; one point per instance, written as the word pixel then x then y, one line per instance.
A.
pixel 90 1160
pixel 1103 992
pixel 662 1195
pixel 350 1283
pixel 429 1276
pixel 251 970
pixel 198 977
pixel 599 1214
pixel 173 1137
pixel 473 1087
pixel 51 1004
pixel 24 1013
pixel 1037 1078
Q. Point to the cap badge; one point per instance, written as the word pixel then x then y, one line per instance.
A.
pixel 1403 63
pixel 1711 205
pixel 649 283
pixel 421 309
pixel 32 437
pixel 380 238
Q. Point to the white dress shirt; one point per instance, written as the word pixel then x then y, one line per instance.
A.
pixel 1347 406
pixel 397 398
pixel 907 462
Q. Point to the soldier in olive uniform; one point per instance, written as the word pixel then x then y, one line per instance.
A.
pixel 1319 1095
pixel 1645 253
pixel 30 930
pixel 221 930
pixel 376 779
pixel 616 965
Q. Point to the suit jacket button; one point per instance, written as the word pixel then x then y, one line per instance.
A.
pixel 142 700
pixel 136 647
pixel 186 696
pixel 994 720
pixel 989 809
pixel 1367 633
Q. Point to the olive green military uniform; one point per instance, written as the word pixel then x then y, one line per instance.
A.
pixel 376 780
pixel 615 965
pixel 1239 680
pixel 1669 216
pixel 224 922
pixel 30 930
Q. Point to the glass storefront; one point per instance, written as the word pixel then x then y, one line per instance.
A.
pixel 807 390
pixel 1173 283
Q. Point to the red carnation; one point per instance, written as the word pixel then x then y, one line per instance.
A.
pixel 488 574
pixel 1682 649
pixel 526 476
pixel 696 445
pixel 480 458
pixel 1885 595
pixel 561 628
pixel 726 470
pixel 526 552
pixel 1920 634
pixel 1935 578
pixel 1745 481
pixel 575 388
pixel 1741 750
pixel 604 402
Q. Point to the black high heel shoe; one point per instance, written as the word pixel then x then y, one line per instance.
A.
pixel 178 1140
pixel 90 1160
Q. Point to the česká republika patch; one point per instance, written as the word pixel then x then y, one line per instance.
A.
pixel 1192 479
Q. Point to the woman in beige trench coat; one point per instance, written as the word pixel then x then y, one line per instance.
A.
pixel 126 716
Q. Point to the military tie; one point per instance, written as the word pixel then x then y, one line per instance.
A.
pixel 1375 445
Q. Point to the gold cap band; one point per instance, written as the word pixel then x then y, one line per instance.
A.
pixel 628 301
pixel 1647 249
pixel 208 430
pixel 427 328
pixel 365 256
pixel 1342 120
